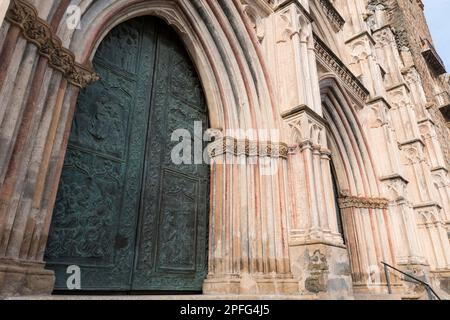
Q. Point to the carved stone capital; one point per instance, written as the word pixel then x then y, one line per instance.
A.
pixel 384 37
pixel 363 202
pixel 235 147
pixel 306 126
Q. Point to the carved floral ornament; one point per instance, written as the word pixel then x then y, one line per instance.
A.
pixel 347 202
pixel 235 147
pixel 37 31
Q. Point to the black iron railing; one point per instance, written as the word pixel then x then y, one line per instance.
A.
pixel 432 295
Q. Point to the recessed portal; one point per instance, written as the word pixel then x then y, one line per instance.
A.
pixel 125 214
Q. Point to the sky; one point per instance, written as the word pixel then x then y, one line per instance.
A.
pixel 438 18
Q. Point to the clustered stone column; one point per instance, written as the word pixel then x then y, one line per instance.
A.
pixel 249 251
pixel 316 245
pixel 314 218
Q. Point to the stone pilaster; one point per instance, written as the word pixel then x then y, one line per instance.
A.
pixel 364 63
pixel 318 255
pixel 416 134
pixel 314 219
pixel 407 243
pixel 3 8
pixel 295 58
pixel 378 123
pixel 428 211
pixel 441 182
pixel 434 235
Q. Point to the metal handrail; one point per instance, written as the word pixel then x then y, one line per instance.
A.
pixel 425 284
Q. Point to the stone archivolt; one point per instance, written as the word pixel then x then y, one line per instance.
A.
pixel 37 31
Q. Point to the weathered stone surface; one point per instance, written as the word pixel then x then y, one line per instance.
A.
pixel 323 270
pixel 25 280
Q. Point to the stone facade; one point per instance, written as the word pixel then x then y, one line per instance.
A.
pixel 355 90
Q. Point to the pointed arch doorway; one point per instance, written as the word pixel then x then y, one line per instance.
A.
pixel 125 214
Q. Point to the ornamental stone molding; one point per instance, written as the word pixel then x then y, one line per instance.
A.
pixel 37 31
pixel 245 147
pixel 334 17
pixel 326 56
pixel 363 203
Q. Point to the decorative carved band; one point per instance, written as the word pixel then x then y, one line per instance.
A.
pixel 363 202
pixel 37 31
pixel 332 14
pixel 331 61
pixel 232 146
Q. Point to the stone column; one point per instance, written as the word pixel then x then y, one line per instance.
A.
pixel 318 254
pixel 433 150
pixel 316 247
pixel 248 248
pixel 368 233
pixel 39 105
pixel 3 8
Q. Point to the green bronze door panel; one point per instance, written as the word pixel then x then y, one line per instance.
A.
pixel 171 252
pixel 128 216
pixel 95 218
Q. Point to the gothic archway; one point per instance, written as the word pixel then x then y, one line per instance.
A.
pixel 127 213
pixel 238 96
pixel 365 220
